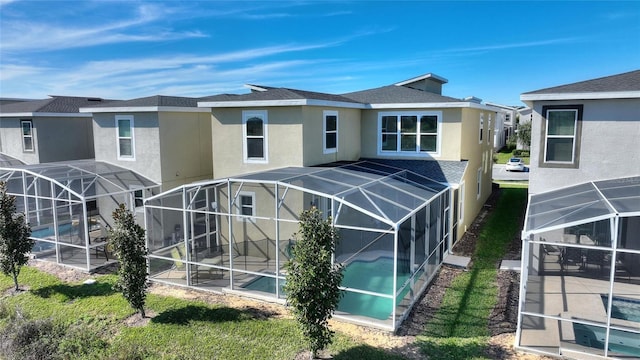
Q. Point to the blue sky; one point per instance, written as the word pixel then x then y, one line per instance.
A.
pixel 128 49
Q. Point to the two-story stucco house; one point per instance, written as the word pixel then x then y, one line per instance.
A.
pixel 30 130
pixel 400 170
pixel 580 283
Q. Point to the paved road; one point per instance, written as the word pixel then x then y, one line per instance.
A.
pixel 499 173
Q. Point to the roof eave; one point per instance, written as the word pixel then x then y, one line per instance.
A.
pixel 143 109
pixel 43 114
pixel 291 102
pixel 580 96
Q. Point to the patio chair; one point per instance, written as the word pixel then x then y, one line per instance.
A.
pixel 176 254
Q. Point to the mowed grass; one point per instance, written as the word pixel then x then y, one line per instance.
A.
pixel 504 155
pixel 459 330
pixel 181 329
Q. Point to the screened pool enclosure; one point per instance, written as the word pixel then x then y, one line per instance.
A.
pixel 580 287
pixel 69 207
pixel 235 235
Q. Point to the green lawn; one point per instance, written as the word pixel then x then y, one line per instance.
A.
pixel 504 155
pixel 459 328
pixel 88 319
pixel 89 324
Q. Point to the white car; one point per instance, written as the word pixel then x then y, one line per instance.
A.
pixel 514 164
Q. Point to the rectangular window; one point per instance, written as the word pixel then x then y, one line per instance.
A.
pixel 561 134
pixel 246 206
pixel 138 198
pixel 27 135
pixel 254 131
pixel 330 132
pixel 479 183
pixel 409 133
pixel 126 148
pixel 481 127
pixel 489 130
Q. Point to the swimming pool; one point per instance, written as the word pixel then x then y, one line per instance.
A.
pixel 619 341
pixel 44 233
pixel 374 276
pixel 623 308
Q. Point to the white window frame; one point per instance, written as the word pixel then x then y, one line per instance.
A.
pixel 489 130
pixel 239 206
pixel 479 183
pixel 24 137
pixel 417 152
pixel 573 137
pixel 133 197
pixel 132 138
pixel 325 132
pixel 246 115
pixel 480 133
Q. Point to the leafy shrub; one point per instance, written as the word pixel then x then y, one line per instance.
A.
pixel 37 339
pixel 521 152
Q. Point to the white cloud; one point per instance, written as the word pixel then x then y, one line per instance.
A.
pixel 22 35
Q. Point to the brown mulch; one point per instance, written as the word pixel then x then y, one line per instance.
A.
pixel 502 321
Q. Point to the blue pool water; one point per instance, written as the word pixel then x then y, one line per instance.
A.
pixel 376 276
pixel 44 233
pixel 623 308
pixel 619 341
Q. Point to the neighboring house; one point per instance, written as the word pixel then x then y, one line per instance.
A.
pixel 504 126
pixel 580 281
pixel 400 170
pixel 165 138
pixel 48 130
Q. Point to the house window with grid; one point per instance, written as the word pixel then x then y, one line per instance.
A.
pixel 126 147
pixel 561 134
pixel 330 132
pixel 409 133
pixel 246 206
pixel 27 135
pixel 254 129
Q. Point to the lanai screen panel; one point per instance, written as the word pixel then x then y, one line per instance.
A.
pixel 69 205
pixel 582 202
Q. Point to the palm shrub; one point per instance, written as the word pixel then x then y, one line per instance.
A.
pixel 15 241
pixel 127 239
pixel 313 280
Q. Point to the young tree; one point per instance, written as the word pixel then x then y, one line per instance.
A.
pixel 127 240
pixel 524 134
pixel 312 280
pixel 15 242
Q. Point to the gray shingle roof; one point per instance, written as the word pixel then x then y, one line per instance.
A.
pixel 629 81
pixel 272 93
pixel 156 100
pixel 56 104
pixel 393 94
pixel 438 170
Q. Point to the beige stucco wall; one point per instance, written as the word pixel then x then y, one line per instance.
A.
pixel 479 156
pixel 185 148
pixel 348 135
pixel 284 140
